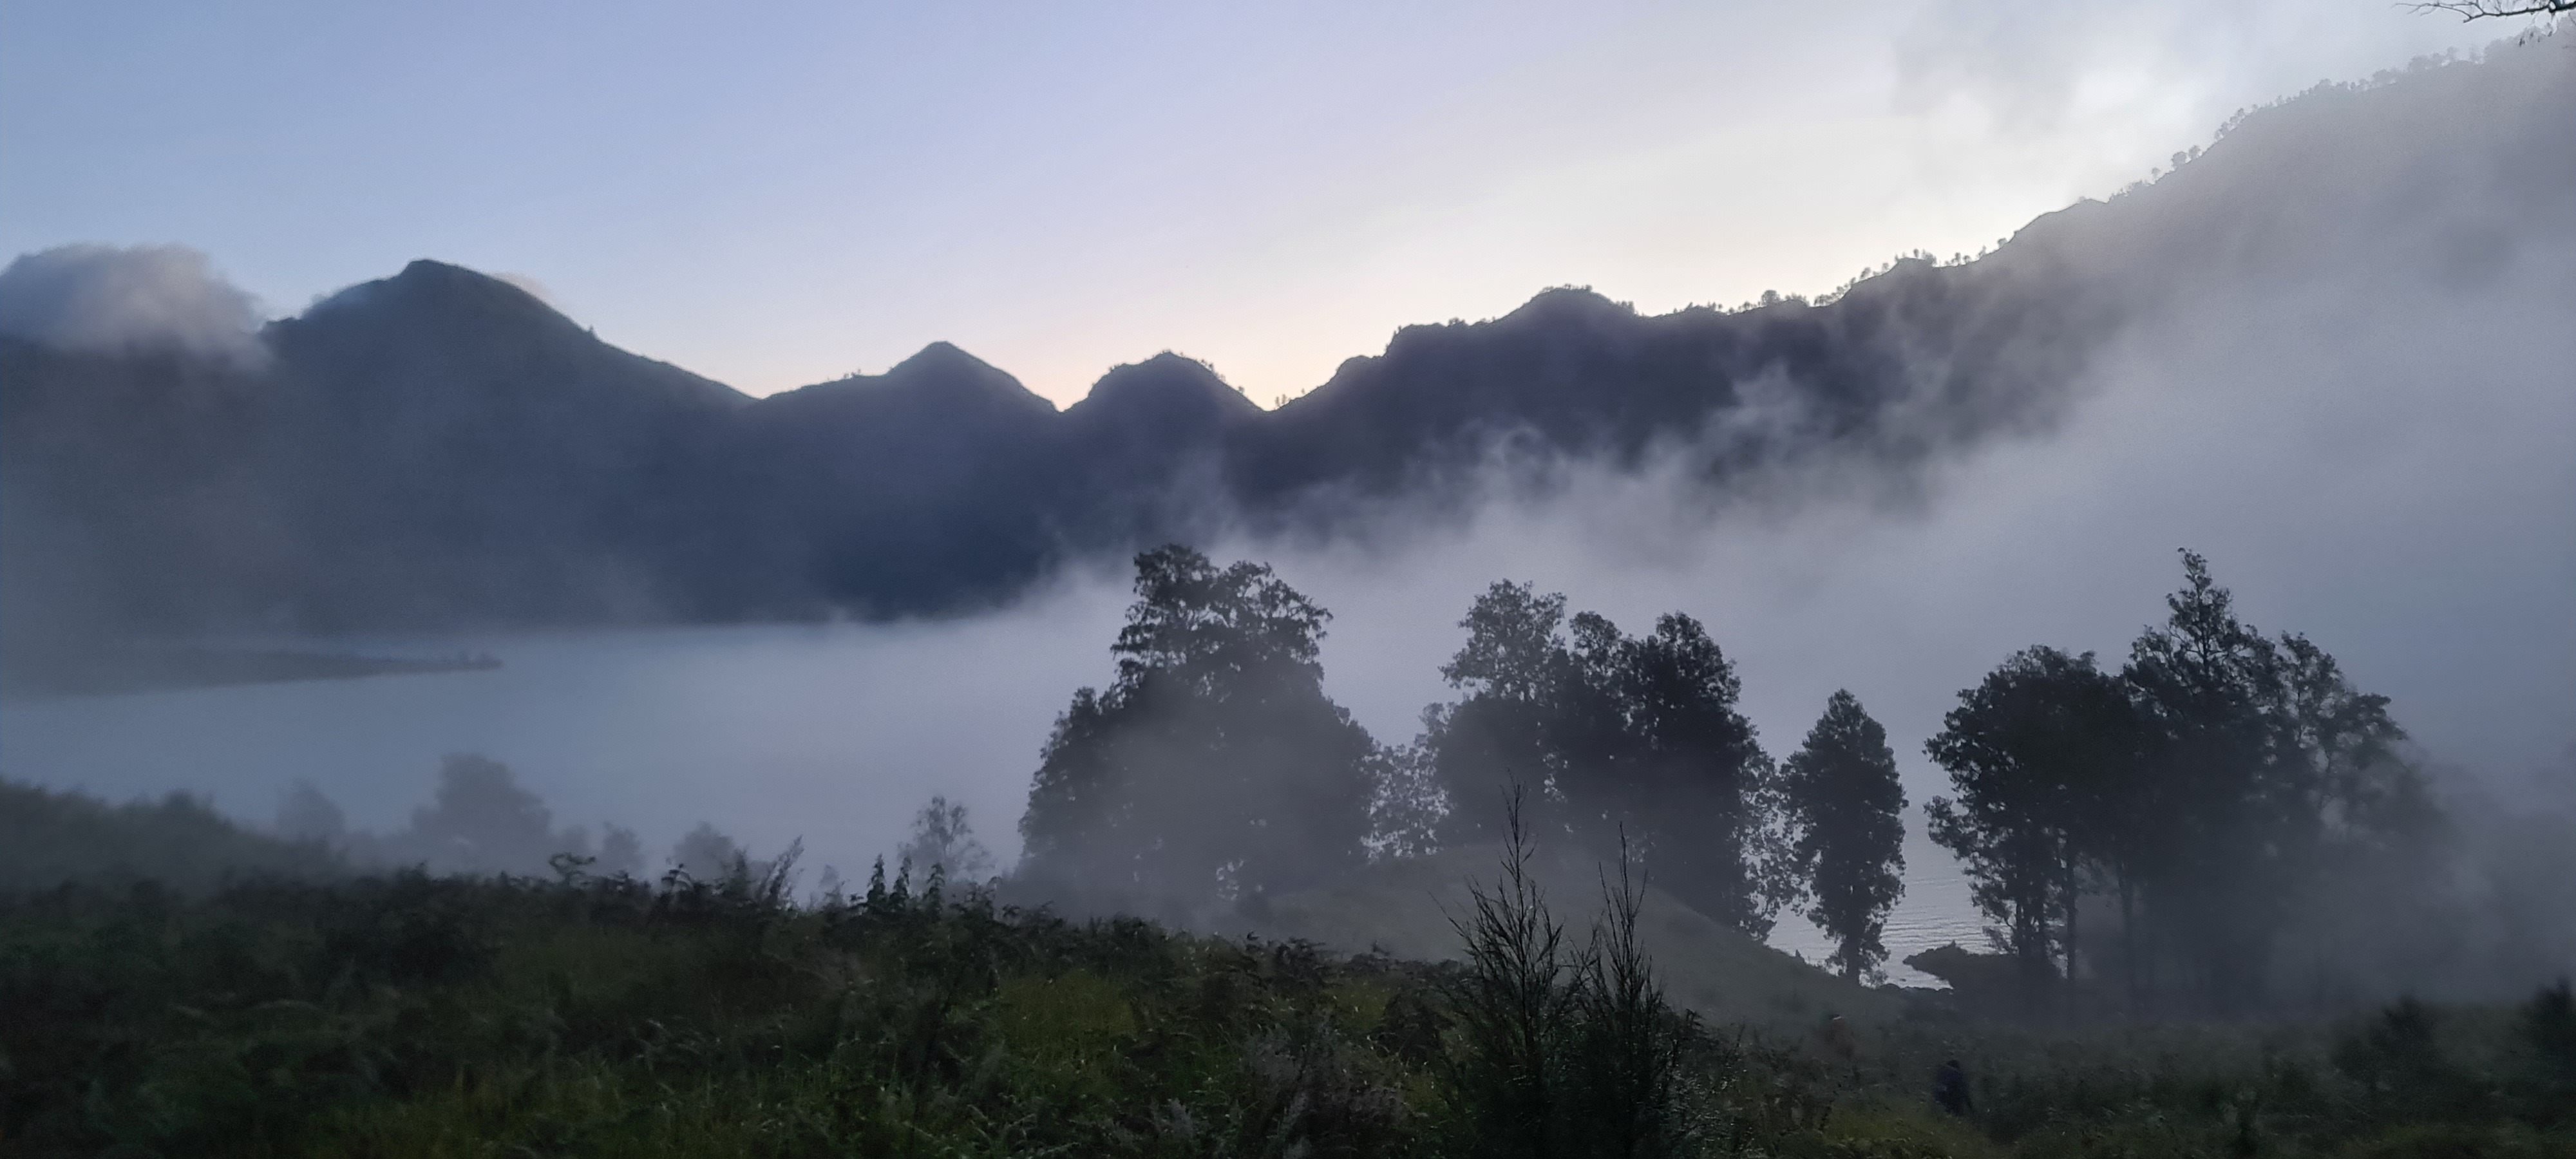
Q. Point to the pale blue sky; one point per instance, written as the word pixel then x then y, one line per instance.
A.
pixel 776 194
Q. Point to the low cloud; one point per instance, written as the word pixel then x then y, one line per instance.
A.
pixel 118 299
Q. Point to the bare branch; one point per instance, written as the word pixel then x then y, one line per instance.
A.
pixel 2496 9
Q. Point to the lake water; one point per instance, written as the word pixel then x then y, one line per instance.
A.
pixel 833 735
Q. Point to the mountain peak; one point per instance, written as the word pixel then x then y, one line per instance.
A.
pixel 447 289
pixel 939 376
pixel 1571 301
pixel 943 358
pixel 1167 383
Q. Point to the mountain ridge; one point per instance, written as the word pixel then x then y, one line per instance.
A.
pixel 440 449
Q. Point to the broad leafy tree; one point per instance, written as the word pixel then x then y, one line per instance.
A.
pixel 1846 809
pixel 2029 751
pixel 1691 778
pixel 2270 770
pixel 1515 675
pixel 1213 767
pixel 2232 791
pixel 1614 737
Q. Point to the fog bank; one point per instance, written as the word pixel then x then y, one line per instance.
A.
pixel 116 299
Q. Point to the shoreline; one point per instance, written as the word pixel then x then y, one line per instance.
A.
pixel 126 670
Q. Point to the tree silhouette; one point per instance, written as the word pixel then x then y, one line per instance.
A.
pixel 2497 9
pixel 481 821
pixel 1847 809
pixel 1214 767
pixel 1613 735
pixel 2270 770
pixel 1517 676
pixel 1691 780
pixel 944 842
pixel 2230 789
pixel 2026 751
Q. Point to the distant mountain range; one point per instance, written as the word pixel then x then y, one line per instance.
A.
pixel 440 449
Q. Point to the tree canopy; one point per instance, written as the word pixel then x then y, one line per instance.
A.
pixel 1616 738
pixel 2219 787
pixel 1213 768
pixel 1847 810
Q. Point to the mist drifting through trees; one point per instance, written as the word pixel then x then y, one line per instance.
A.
pixel 2352 403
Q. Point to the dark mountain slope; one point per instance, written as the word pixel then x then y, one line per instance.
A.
pixel 1573 375
pixel 1146 453
pixel 913 491
pixel 130 495
pixel 455 450
pixel 441 449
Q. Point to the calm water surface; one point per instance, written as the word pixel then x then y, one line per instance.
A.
pixel 829 734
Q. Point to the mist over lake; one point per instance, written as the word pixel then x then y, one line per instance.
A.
pixel 829 734
pixel 1955 578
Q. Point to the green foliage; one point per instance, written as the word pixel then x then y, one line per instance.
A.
pixel 49 838
pixel 1214 768
pixel 1619 737
pixel 2028 750
pixel 2548 1026
pixel 1847 808
pixel 430 1016
pixel 2226 788
pixel 1566 1051
pixel 2272 776
pixel 420 1015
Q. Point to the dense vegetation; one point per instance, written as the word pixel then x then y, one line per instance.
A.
pixel 2224 787
pixel 177 986
pixel 2224 825
pixel 412 1015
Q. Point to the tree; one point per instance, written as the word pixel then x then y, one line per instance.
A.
pixel 481 821
pixel 704 854
pixel 307 815
pixel 1614 735
pixel 1516 673
pixel 621 852
pixel 1846 807
pixel 2234 812
pixel 1214 767
pixel 1692 781
pixel 2271 770
pixel 942 842
pixel 2498 9
pixel 2029 750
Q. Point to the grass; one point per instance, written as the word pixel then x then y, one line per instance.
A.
pixel 419 1016
pixel 1727 978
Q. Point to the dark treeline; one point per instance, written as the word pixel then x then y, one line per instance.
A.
pixel 2224 824
pixel 479 821
pixel 1214 771
pixel 2226 791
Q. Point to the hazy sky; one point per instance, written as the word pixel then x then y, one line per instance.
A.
pixel 777 194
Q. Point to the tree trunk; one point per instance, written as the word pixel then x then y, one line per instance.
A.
pixel 2074 899
pixel 2129 942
